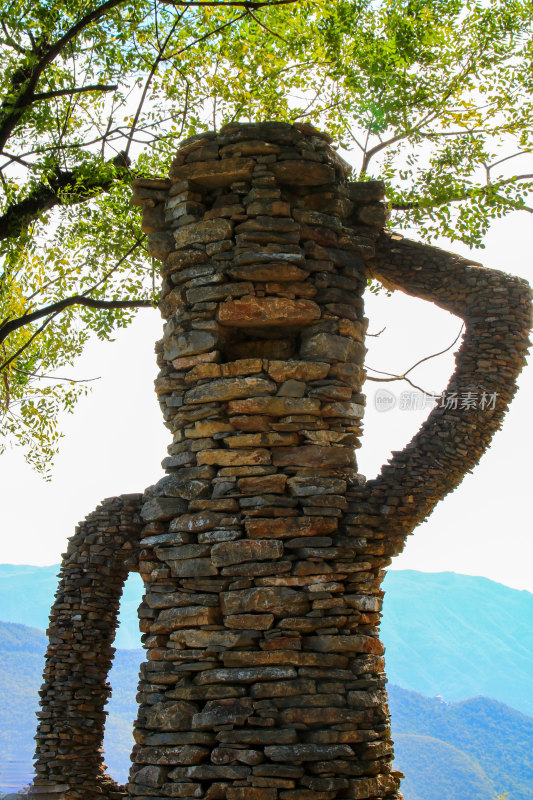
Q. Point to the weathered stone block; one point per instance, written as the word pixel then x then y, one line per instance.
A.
pixel 275 406
pixel 292 173
pixel 238 552
pixel 171 716
pixel 280 602
pixel 230 458
pixel 188 344
pixel 314 456
pixel 215 174
pixel 229 389
pixel 259 312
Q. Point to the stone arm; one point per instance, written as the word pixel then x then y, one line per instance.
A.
pixel 496 309
pixel 84 617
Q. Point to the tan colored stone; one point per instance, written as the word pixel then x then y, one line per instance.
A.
pixel 214 174
pixel 264 484
pixel 188 362
pixel 171 619
pixel 259 622
pixel 274 406
pixel 266 439
pixel 355 330
pixel 254 312
pixel 243 366
pixel 269 272
pixel 314 456
pixel 288 527
pixel 202 371
pixel 212 230
pixel 251 423
pixel 292 658
pixel 229 458
pixel 206 428
pixel 297 370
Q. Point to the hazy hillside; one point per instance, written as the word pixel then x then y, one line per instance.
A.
pixel 22 657
pixel 453 635
pixel 472 750
pixel 459 636
pixel 27 594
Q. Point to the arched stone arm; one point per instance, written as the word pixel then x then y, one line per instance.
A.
pixel 496 309
pixel 83 620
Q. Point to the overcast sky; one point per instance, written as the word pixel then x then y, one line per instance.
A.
pixel 116 439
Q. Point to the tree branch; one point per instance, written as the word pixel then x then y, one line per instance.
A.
pixel 229 3
pixel 391 376
pixel 55 308
pixel 479 191
pixel 74 184
pixel 96 87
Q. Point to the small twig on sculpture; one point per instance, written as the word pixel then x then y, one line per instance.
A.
pixel 391 376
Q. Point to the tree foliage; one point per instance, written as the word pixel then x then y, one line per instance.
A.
pixel 432 95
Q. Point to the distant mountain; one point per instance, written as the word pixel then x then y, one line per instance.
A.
pixel 473 750
pixel 453 635
pixel 477 748
pixel 22 652
pixel 27 594
pixel 459 636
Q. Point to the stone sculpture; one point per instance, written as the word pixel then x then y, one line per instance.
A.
pixel 262 549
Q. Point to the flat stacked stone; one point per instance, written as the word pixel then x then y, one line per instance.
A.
pixel 264 676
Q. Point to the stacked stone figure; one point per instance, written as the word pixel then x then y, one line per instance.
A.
pixel 264 676
pixel 262 550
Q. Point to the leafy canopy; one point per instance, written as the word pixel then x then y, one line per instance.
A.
pixel 434 96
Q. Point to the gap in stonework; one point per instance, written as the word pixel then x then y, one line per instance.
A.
pixel 124 677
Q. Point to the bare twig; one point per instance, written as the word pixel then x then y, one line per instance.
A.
pixel 54 377
pixel 391 376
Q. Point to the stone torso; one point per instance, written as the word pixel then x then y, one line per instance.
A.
pixel 264 673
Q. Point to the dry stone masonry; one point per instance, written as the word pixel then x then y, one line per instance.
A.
pixel 263 549
pixel 104 549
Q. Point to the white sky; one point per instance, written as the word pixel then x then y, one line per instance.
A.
pixel 116 439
